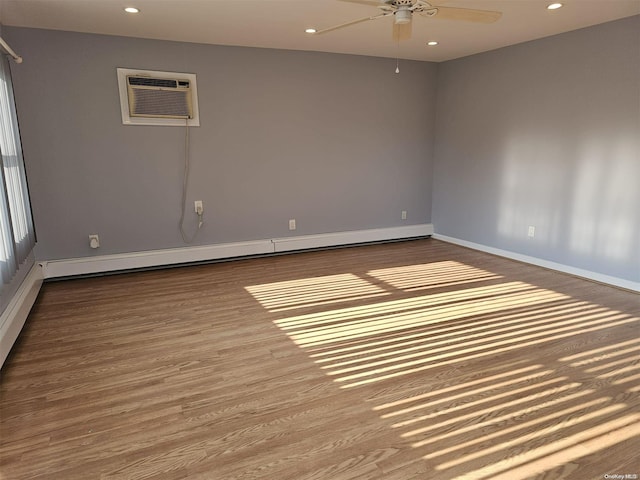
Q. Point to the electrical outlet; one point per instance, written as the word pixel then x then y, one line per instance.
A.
pixel 94 241
pixel 198 207
pixel 404 214
pixel 292 224
pixel 531 232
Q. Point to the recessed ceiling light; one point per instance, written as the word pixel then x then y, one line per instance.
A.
pixel 131 10
pixel 432 43
pixel 554 6
pixel 310 30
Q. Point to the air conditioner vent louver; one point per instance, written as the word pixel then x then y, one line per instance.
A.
pixel 157 98
pixel 154 82
pixel 148 103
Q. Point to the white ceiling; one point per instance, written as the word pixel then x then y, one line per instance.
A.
pixel 281 23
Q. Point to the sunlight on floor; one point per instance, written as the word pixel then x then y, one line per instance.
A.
pixel 362 345
pixel 562 451
pixel 475 301
pixel 476 428
pixel 523 426
pixel 557 389
pixel 497 333
pixel 487 384
pixel 597 355
pixel 431 275
pixel 315 291
pixel 621 370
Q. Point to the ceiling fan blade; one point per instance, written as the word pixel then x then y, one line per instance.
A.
pixel 402 31
pixel 464 14
pixel 353 22
pixel 373 3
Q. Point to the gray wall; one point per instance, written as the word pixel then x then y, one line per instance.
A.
pixel 337 142
pixel 545 133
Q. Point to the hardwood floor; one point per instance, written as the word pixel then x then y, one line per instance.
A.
pixel 404 361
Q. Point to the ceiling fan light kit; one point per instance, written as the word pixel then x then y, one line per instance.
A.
pixel 403 15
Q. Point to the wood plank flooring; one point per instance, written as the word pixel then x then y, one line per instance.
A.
pixel 403 361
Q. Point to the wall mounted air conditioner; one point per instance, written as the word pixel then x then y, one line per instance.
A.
pixel 158 98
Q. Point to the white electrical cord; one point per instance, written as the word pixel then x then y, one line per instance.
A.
pixel 185 183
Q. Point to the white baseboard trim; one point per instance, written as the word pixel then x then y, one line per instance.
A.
pixel 578 272
pixel 15 315
pixel 289 244
pixel 173 256
pixel 152 258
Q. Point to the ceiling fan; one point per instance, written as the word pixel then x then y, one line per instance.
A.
pixel 403 10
